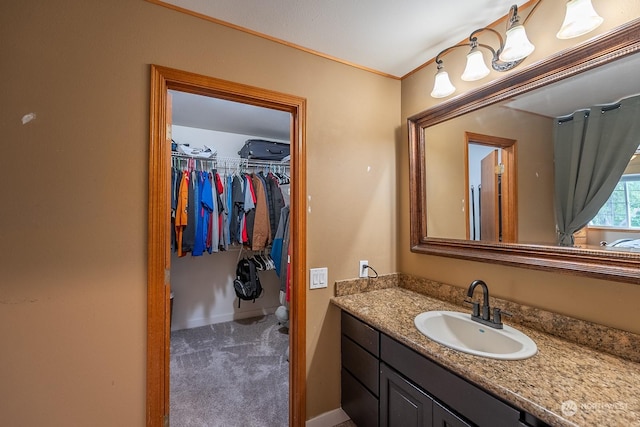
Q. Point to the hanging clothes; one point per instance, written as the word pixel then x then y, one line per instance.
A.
pixel 229 209
pixel 276 202
pixel 211 244
pixel 204 212
pixel 182 209
pixel 249 210
pixel 176 177
pixel 278 247
pixel 217 237
pixel 261 236
pixel 238 210
pixel 190 231
pixel 224 209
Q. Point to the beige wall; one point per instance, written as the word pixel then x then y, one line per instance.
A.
pixel 74 212
pixel 609 303
pixel 73 229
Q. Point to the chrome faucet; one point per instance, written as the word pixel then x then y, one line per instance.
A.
pixel 485 317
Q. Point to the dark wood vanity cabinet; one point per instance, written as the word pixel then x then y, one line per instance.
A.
pixel 386 384
pixel 360 371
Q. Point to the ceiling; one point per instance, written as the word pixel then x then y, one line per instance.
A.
pixel 390 37
pixel 387 37
pixel 603 85
pixel 204 112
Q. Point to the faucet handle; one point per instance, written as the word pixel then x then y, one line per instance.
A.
pixel 476 307
pixel 498 313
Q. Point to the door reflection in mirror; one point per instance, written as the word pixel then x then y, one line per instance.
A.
pixel 492 189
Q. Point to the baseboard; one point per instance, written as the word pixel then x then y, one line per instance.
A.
pixel 328 419
pixel 219 318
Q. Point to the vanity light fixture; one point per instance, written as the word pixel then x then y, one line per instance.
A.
pixel 580 19
pixel 442 87
pixel 517 46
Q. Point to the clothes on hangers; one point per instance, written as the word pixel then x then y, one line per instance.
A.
pixel 176 177
pixel 204 209
pixel 216 212
pixel 276 201
pixel 192 223
pixel 182 211
pixel 218 239
pixel 280 243
pixel 229 209
pixel 236 208
pixel 261 236
pixel 250 200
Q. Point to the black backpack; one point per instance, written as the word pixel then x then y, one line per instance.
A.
pixel 247 284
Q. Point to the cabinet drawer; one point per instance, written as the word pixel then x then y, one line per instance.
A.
pixel 358 402
pixel 461 396
pixel 360 364
pixel 361 333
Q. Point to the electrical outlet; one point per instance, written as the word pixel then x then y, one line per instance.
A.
pixel 363 268
pixel 318 278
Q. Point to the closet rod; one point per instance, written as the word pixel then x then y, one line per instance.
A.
pixel 231 160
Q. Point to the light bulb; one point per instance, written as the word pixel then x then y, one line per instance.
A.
pixel 442 86
pixel 476 67
pixel 517 46
pixel 579 19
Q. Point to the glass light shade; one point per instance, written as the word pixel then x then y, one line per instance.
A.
pixel 476 67
pixel 579 19
pixel 442 86
pixel 517 46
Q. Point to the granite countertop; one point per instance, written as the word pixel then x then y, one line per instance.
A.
pixel 565 384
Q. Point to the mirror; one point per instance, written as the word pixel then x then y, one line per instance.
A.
pixel 518 108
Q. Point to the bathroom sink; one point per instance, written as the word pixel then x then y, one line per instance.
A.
pixel 457 330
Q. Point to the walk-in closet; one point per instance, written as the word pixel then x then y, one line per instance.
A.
pixel 230 238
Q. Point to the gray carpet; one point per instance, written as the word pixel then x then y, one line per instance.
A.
pixel 232 374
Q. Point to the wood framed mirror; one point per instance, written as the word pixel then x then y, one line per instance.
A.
pixel 619 44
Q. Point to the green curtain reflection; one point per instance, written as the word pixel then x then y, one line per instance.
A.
pixel 592 150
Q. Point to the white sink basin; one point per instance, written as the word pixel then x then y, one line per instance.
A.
pixel 457 330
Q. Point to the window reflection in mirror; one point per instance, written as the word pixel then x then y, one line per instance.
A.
pixel 617 224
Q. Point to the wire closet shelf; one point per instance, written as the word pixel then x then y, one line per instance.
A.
pixel 229 163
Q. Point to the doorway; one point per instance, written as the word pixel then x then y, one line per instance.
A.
pixel 158 281
pixel 491 188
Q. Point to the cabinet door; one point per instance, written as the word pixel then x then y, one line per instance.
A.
pixel 442 417
pixel 455 392
pixel 402 404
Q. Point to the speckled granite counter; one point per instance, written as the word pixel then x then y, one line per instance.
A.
pixel 565 384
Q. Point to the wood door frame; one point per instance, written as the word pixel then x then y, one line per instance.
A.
pixel 509 183
pixel 159 223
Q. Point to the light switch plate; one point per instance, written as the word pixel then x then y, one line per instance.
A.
pixel 318 278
